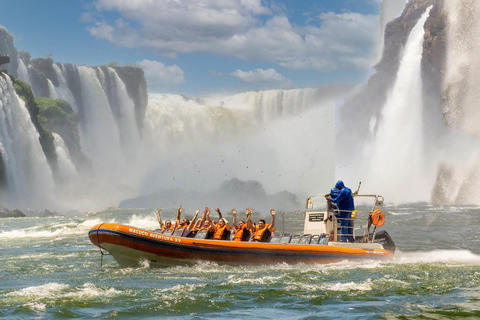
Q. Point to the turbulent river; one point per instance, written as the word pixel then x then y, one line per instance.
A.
pixel 50 270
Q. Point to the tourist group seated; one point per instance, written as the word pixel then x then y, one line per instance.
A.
pixel 205 228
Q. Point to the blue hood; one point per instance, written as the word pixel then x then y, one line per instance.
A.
pixel 339 185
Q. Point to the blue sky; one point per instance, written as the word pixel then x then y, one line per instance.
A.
pixel 209 46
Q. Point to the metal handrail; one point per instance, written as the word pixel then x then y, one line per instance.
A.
pixel 361 225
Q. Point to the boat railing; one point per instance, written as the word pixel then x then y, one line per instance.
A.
pixel 293 222
pixel 361 220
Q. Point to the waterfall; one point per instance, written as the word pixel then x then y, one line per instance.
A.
pixel 397 156
pixel 28 176
pixel 99 133
pixel 65 165
pixel 282 138
pixel 460 174
pixel 22 71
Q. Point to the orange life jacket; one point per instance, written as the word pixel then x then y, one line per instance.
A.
pixel 241 234
pixel 169 230
pixel 220 233
pixel 262 235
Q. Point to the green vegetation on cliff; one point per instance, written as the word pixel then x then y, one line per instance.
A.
pixel 56 113
pixel 24 91
pixel 58 116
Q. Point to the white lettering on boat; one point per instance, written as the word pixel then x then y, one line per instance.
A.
pixel 375 251
pixel 153 235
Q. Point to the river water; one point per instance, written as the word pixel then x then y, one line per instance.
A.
pixel 50 270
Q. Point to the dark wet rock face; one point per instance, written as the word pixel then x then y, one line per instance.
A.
pixel 5 213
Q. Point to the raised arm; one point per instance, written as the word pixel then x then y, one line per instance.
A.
pixel 219 213
pixel 249 218
pixel 272 225
pixel 179 212
pixel 234 218
pixel 159 218
pixel 204 217
pixel 250 227
pixel 190 226
pixel 212 227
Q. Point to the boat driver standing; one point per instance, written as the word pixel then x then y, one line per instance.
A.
pixel 263 231
pixel 343 199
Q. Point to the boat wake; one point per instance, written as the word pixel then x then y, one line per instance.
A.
pixel 437 256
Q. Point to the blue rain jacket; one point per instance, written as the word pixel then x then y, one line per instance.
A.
pixel 344 200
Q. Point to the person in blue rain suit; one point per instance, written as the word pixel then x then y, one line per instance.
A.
pixel 342 197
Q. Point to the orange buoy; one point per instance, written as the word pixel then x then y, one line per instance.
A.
pixel 378 219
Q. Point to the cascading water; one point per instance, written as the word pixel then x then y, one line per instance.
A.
pixel 396 157
pixel 460 174
pixel 65 165
pixel 282 138
pixel 188 135
pixel 28 177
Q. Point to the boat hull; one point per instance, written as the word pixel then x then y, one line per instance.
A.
pixel 132 246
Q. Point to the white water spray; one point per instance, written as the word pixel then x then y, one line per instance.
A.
pixel 397 155
pixel 65 165
pixel 461 100
pixel 282 138
pixel 29 178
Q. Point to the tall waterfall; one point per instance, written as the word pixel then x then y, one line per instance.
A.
pixel 397 157
pixel 459 174
pixel 29 180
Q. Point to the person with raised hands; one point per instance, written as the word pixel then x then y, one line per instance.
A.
pixel 242 230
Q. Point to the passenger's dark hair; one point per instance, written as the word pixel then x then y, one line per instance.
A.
pixel 261 220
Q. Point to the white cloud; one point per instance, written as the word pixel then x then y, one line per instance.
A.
pixel 159 75
pixel 244 29
pixel 261 76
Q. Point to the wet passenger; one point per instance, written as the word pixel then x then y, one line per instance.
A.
pixel 264 231
pixel 343 199
pixel 180 226
pixel 190 230
pixel 206 229
pixel 222 228
pixel 242 230
pixel 166 227
pixel 195 230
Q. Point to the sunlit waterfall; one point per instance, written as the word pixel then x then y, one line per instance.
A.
pixel 282 138
pixel 62 91
pixel 29 178
pixel 397 157
pixel 65 165
pixel 22 71
pixel 460 175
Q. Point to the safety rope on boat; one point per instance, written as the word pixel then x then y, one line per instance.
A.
pixel 101 251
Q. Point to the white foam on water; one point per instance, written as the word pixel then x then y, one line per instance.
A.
pixel 179 292
pixel 47 231
pixel 56 290
pixel 437 256
pixel 44 291
pixel 89 290
pixel 393 213
pixel 240 279
pixel 37 306
pixel 146 222
pixel 23 233
pixel 348 286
